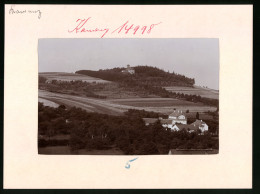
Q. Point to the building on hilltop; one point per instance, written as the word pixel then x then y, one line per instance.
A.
pixel 129 70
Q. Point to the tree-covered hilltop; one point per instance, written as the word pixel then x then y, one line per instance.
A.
pixel 161 78
pixel 144 75
pixel 150 80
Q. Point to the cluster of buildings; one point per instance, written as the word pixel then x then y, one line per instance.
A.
pixel 177 121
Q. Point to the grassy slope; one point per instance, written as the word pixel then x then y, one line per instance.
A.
pixel 60 76
pixel 120 99
pixel 196 90
pixel 117 107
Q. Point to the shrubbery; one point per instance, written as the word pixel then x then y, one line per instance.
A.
pixel 52 142
pixel 129 133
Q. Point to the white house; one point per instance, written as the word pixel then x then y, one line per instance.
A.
pixel 193 127
pixel 167 123
pixel 175 128
pixel 177 121
pixel 129 70
pixel 201 125
pixel 178 117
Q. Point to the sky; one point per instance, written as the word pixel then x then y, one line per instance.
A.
pixel 196 58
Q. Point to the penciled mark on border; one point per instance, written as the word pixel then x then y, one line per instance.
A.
pixel 25 11
pixel 127 166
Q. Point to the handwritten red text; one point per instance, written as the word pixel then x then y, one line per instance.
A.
pixel 125 28
pixel 135 29
pixel 81 27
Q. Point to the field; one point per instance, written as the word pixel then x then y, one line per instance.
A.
pixel 197 90
pixel 118 100
pixel 48 103
pixel 119 106
pixel 113 91
pixel 70 77
pixel 154 102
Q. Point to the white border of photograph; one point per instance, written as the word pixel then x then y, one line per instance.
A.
pixel 231 168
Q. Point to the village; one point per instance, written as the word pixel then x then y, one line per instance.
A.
pixel 178 121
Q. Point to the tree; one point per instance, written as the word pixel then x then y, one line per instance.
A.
pixel 42 79
pixel 197 116
pixel 62 106
pixel 50 132
pixel 148 148
pixel 78 136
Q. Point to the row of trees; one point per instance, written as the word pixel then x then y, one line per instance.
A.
pixel 77 87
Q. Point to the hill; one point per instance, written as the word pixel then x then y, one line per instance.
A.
pixel 146 82
pixel 144 75
pixel 152 81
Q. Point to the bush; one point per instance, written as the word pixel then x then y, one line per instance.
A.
pixel 42 79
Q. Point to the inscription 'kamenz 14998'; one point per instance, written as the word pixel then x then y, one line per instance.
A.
pixel 81 26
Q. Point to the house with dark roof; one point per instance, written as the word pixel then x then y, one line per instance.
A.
pixel 201 125
pixel 196 126
pixel 179 127
pixel 150 121
pixel 189 128
pixel 167 123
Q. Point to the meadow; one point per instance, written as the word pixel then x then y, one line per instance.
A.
pixel 154 102
pixel 119 106
pixel 59 76
pixel 196 90
pixel 48 103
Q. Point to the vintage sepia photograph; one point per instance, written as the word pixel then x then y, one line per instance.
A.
pixel 137 96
